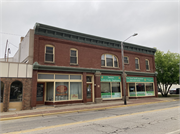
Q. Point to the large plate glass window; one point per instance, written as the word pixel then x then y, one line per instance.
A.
pixel 149 89
pixel 2 90
pixel 105 90
pixel 61 92
pixel 49 53
pixel 132 91
pixel 75 90
pixel 16 91
pixel 74 56
pixel 108 60
pixel 140 87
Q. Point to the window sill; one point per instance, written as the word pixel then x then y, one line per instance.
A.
pixel 49 62
pixel 73 64
pixel 138 69
pixel 148 70
pixel 110 67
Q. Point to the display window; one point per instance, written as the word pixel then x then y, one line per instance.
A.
pixel 61 87
pixel 140 86
pixel 111 89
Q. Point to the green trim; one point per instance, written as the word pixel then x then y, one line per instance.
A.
pixel 36 66
pixel 50 31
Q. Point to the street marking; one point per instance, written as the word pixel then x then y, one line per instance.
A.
pixel 173 132
pixel 93 109
pixel 80 122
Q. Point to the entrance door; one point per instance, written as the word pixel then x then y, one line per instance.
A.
pixel 40 93
pixel 89 92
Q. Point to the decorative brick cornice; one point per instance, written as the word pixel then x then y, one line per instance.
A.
pixel 45 30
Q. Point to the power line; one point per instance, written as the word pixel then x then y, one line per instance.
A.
pixel 11 34
pixel 13 45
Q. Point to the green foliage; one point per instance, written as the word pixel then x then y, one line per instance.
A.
pixel 168 70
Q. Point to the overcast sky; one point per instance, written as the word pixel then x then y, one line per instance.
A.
pixel 155 21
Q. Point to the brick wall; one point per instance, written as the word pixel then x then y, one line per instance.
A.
pixel 27 83
pixel 89 56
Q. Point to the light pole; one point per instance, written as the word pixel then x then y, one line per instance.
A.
pixel 122 52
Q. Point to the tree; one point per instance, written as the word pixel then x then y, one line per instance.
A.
pixel 168 70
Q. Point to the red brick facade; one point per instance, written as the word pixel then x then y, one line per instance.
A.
pixel 89 56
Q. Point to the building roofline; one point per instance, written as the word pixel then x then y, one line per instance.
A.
pixel 51 31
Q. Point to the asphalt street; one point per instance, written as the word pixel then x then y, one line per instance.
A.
pixel 159 118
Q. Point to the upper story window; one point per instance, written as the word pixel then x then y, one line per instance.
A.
pixel 49 53
pixel 73 56
pixel 137 64
pixel 108 60
pixel 147 65
pixel 126 60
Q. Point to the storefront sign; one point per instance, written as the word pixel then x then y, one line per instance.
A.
pixel 139 79
pixel 61 89
pixel 105 95
pixel 150 93
pixel 74 96
pixel 110 78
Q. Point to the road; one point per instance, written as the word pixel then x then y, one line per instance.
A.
pixel 159 118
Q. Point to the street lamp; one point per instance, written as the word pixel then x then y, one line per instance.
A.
pixel 122 52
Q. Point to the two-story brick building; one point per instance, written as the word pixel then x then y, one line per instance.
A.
pixel 72 67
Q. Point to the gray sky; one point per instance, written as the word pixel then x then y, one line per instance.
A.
pixel 155 21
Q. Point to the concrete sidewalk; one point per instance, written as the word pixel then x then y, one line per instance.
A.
pixel 81 107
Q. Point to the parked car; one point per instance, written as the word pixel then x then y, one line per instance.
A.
pixel 174 91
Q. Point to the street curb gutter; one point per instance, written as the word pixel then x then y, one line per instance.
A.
pixel 83 110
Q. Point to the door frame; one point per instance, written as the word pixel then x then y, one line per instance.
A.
pixel 41 102
pixel 89 100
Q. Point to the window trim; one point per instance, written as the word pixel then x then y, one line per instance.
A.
pixel 148 65
pixel 127 59
pixel 76 56
pixel 113 61
pixel 138 63
pixel 53 54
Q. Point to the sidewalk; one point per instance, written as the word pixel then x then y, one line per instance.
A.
pixel 81 107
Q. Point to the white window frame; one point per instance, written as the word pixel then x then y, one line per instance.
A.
pixel 113 61
pixel 53 54
pixel 72 56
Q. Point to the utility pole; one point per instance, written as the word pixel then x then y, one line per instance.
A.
pixel 5 50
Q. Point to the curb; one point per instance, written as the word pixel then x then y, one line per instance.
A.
pixel 83 110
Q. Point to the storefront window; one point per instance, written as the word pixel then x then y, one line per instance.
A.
pixel 149 89
pixel 16 91
pixel 140 89
pixel 105 90
pixel 132 91
pixel 75 90
pixel 2 90
pixel 49 91
pixel 116 92
pixel 61 91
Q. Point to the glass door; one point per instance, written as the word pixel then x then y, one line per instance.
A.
pixel 89 92
pixel 40 93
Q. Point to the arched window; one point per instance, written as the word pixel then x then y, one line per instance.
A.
pixel 16 91
pixel 2 90
pixel 137 64
pixel 73 56
pixel 49 53
pixel 109 60
pixel 147 65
